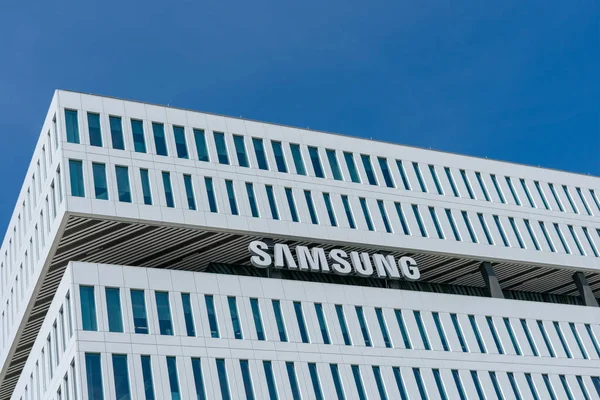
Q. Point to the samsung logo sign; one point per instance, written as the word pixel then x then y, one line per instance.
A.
pixel 335 261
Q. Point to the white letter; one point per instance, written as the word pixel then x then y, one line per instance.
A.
pixel 409 268
pixel 386 266
pixel 260 258
pixel 283 256
pixel 340 266
pixel 312 259
pixel 365 271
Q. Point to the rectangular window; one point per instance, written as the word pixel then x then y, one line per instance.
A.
pixel 348 211
pixel 247 379
pixel 497 187
pixel 212 315
pixel 436 223
pixel 313 152
pixel 94 129
pixel 123 188
pixel 188 315
pixel 451 181
pixel 116 133
pixel 201 147
pixel 160 141
pixel 76 173
pixel 210 193
pixel 256 316
pixel 548 240
pixel 501 230
pixel 252 200
pixel 415 209
pixel 420 384
pixel 531 386
pixel 138 304
pixel 578 340
pixel 72 126
pixel 529 198
pixel 529 338
pixel 301 323
pixel 289 366
pixel 173 378
pixel 137 131
pixel 482 186
pixel 463 174
pixel 565 385
pixel 240 150
pixel 562 239
pixel 279 156
pixel 329 208
pixel 477 384
pixel 568 195
pixel 223 381
pixel 337 381
pixel 459 385
pixel 314 377
pixel 311 207
pixel 512 336
pixel 478 337
pixel 121 376
pixel 259 151
pixel 384 217
pixel 512 190
pixel 585 205
pixel 367 215
pixel 235 318
pixel 298 161
pixel 562 339
pixel 351 165
pixel 422 330
pixel 279 320
pixel 555 195
pixel 146 192
pixel 400 383
pixel 231 196
pixel 593 195
pixel 100 185
pixel 366 160
pixel 363 326
pixel 93 371
pixel 358 382
pixel 268 367
pixel 541 193
pixel 339 310
pixel 485 229
pixel 513 385
pixel 419 177
pixel 189 191
pixel 322 323
pixel 531 234
pixel 291 204
pixel 272 202
pixel 590 242
pixel 199 379
pixel 385 171
pixel 50 362
pixel 435 179
pixel 333 164
pixel 166 177
pixel 163 308
pixel 113 307
pixel 440 330
pixel 180 143
pixel 440 385
pixel 574 236
pixel 516 231
pixel 88 308
pixel 495 336
pixel 582 387
pixel 219 139
pixel 459 334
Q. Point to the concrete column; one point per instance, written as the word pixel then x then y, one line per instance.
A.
pixel 585 291
pixel 491 280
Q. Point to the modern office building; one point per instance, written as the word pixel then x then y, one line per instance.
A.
pixel 160 253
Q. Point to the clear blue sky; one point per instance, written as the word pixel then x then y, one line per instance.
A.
pixel 511 80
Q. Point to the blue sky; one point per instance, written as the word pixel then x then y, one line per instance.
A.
pixel 510 80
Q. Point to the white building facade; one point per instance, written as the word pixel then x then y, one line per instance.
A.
pixel 160 253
